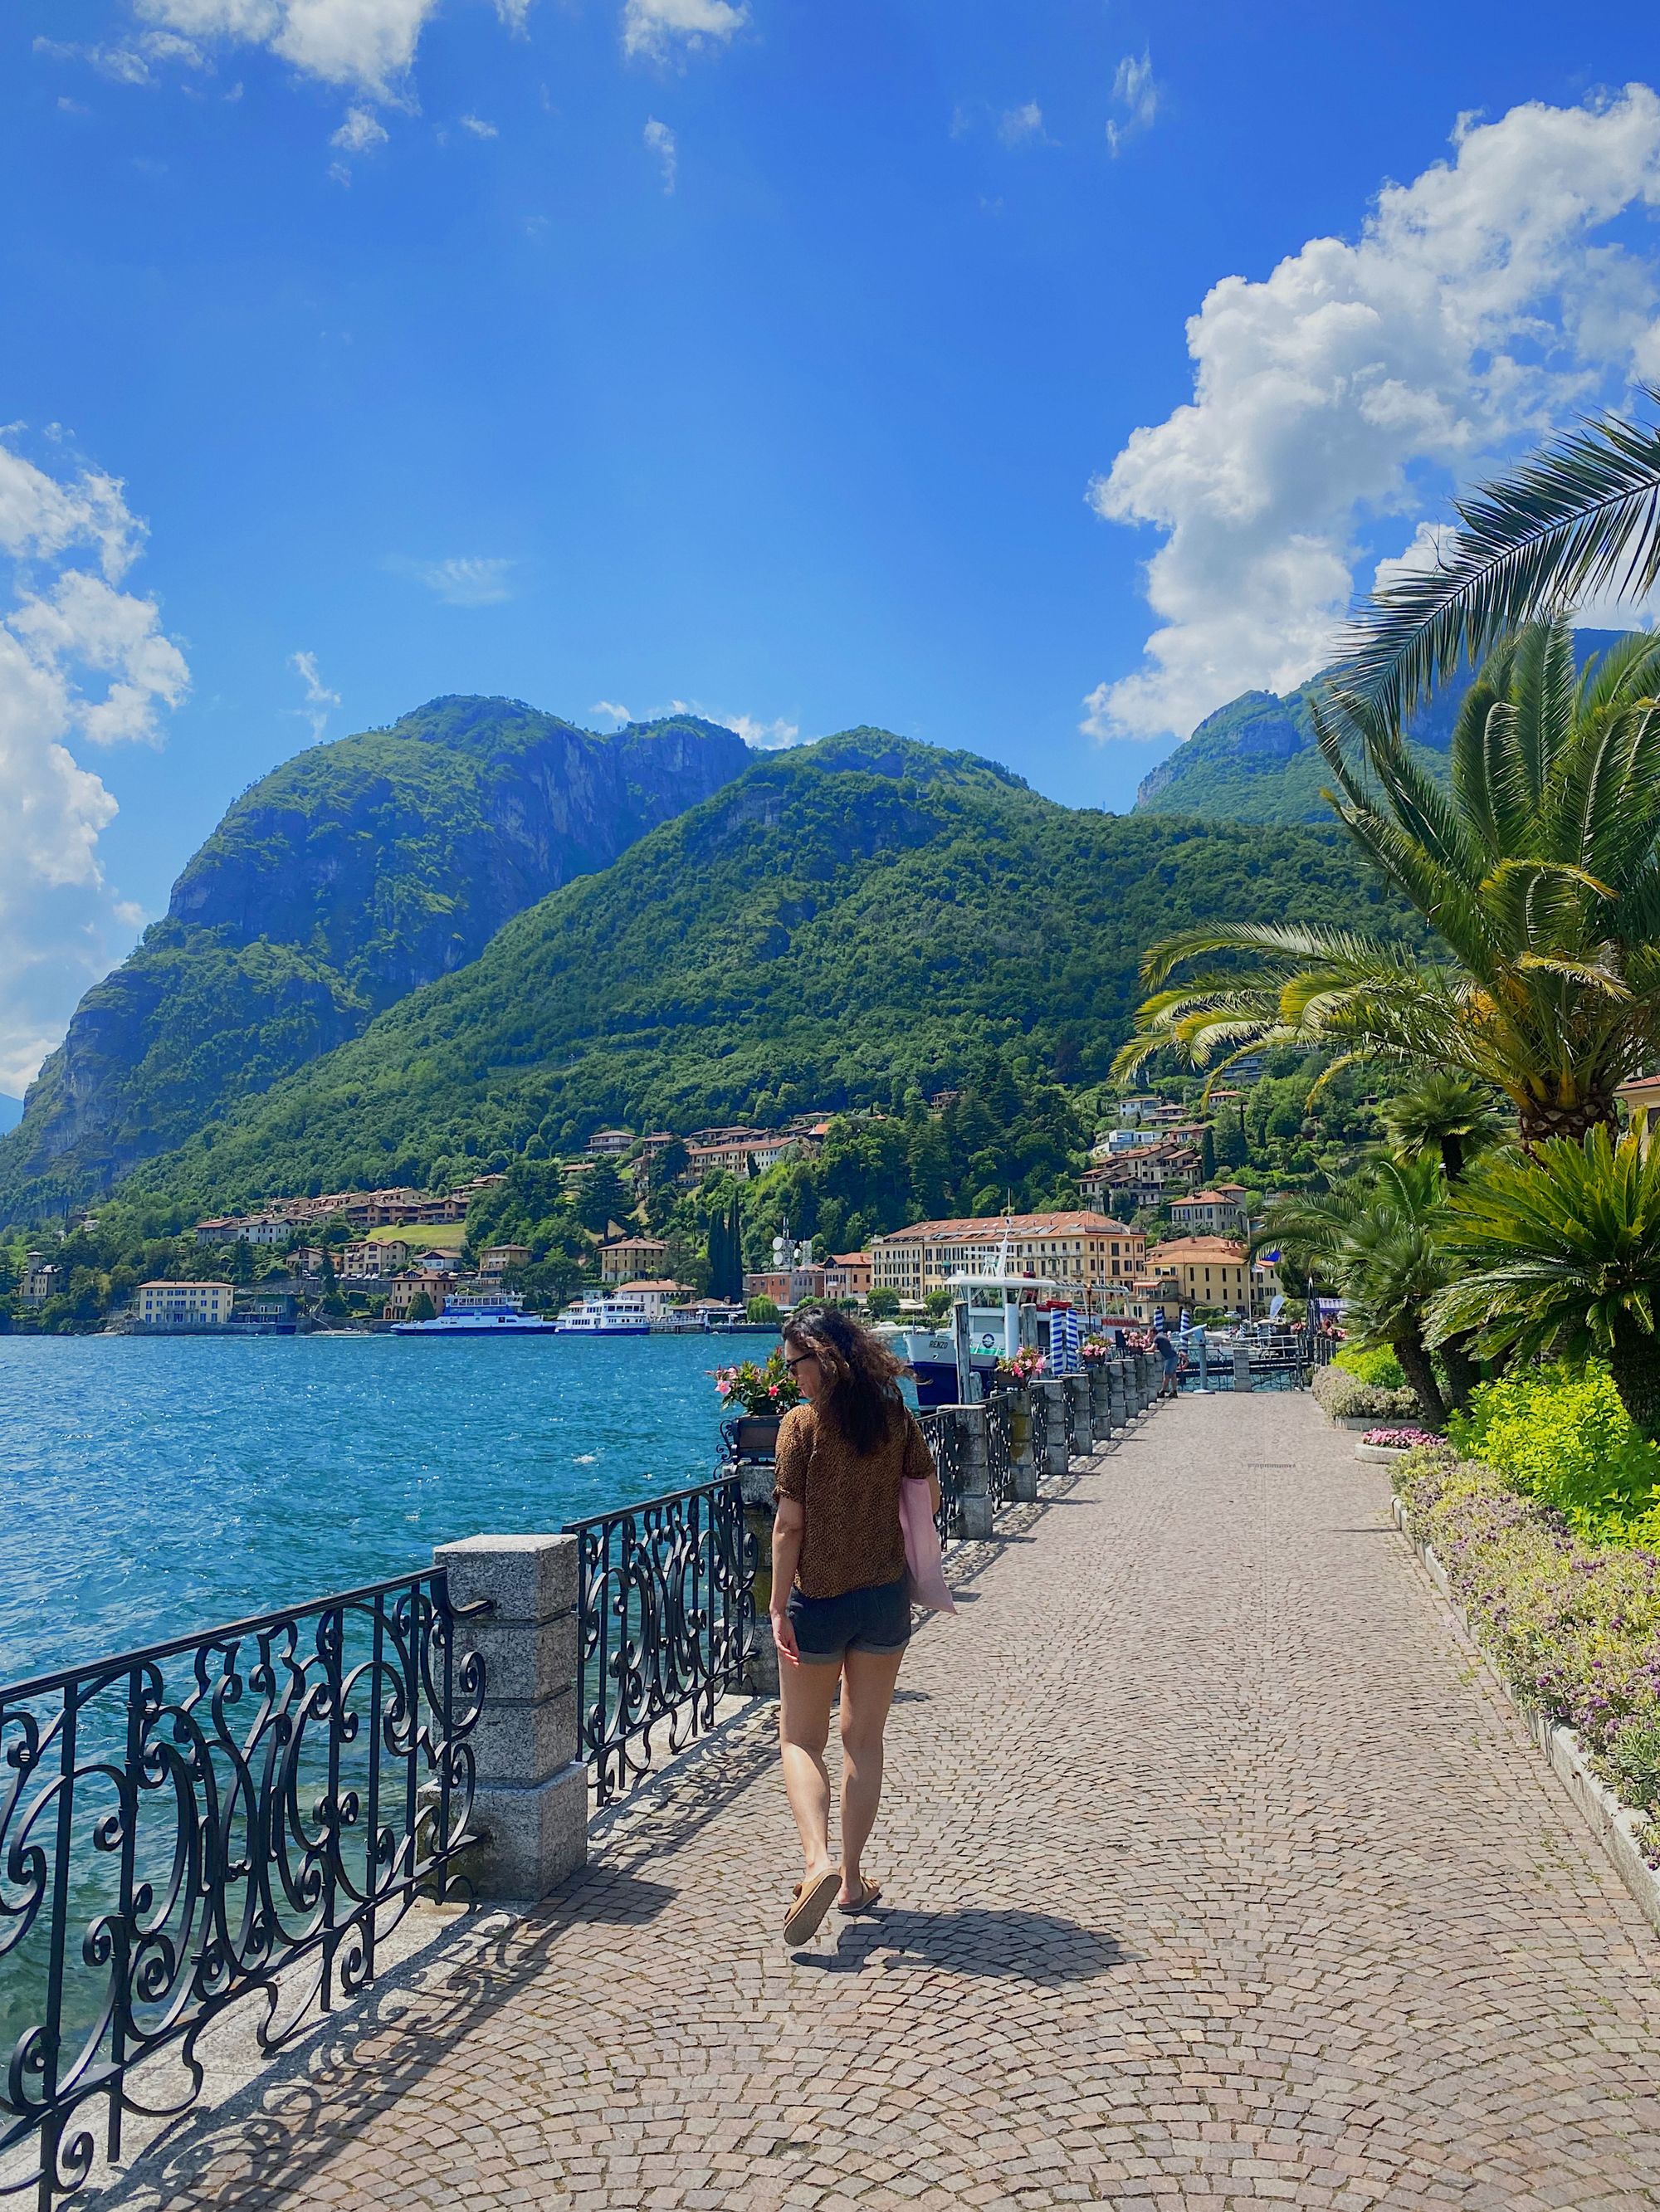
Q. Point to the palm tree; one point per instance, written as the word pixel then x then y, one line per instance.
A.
pixel 1565 1255
pixel 1578 519
pixel 1376 1236
pixel 1447 1114
pixel 1535 867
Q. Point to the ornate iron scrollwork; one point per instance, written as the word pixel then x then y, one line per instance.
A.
pixel 183 1825
pixel 663 1623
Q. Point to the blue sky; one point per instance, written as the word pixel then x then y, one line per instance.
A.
pixel 761 357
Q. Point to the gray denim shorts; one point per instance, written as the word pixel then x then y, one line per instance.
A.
pixel 876 1618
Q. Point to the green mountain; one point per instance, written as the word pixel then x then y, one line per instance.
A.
pixel 1255 759
pixel 840 922
pixel 348 878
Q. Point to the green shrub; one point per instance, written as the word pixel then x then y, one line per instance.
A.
pixel 1346 1397
pixel 1564 1438
pixel 1379 1366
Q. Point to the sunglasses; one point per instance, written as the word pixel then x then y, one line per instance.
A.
pixel 799 1361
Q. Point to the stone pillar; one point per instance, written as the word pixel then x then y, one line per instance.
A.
pixel 530 1794
pixel 1118 1390
pixel 974 1490
pixel 1022 1467
pixel 1241 1367
pixel 761 1668
pixel 1078 1389
pixel 1052 1389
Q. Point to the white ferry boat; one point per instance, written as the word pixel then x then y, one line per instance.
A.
pixel 481 1313
pixel 1005 1311
pixel 606 1313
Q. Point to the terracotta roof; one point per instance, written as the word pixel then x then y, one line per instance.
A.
pixel 992 1228
pixel 1197 1248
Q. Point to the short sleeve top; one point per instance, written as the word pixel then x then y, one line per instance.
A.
pixel 851 1538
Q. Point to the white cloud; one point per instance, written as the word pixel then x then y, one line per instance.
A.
pixel 1023 126
pixel 767 736
pixel 1136 96
pixel 479 127
pixel 465 581
pixel 319 698
pixel 359 132
pixel 134 61
pixel 661 140
pixel 654 28
pixel 81 661
pixel 1479 306
pixel 609 708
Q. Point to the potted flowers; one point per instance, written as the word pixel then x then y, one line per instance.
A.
pixel 1026 1366
pixel 760 1393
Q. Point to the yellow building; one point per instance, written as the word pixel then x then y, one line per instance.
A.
pixel 1206 1270
pixel 1081 1250
pixel 183 1305
pixel 1641 1099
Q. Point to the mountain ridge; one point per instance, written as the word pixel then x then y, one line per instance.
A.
pixel 840 921
pixel 352 874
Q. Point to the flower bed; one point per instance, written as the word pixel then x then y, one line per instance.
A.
pixel 1573 1626
pixel 1345 1397
pixel 1401 1439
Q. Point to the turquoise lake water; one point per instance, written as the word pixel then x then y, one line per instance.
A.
pixel 154 1485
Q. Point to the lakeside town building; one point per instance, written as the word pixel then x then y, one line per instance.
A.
pixel 624 1257
pixel 185 1305
pixel 1215 1211
pixel 1082 1249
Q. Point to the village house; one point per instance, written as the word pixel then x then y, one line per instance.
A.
pixel 497 1259
pixel 41 1280
pixel 657 1295
pixel 847 1275
pixel 629 1257
pixel 609 1144
pixel 405 1289
pixel 183 1305
pixel 1214 1211
pixel 741 1152
pixel 1080 1249
pixel 1146 1175
pixel 1206 1271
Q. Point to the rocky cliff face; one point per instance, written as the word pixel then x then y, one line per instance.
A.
pixel 350 876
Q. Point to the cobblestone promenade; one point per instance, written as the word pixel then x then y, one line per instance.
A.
pixel 1212 1877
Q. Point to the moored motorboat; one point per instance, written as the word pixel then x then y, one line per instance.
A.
pixel 482 1313
pixel 606 1313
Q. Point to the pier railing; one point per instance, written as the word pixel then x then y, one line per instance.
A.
pixel 663 1620
pixel 184 1825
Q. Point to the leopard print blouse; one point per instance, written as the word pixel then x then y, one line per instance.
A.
pixel 851 1538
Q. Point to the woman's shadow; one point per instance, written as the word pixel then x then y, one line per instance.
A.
pixel 1008 1945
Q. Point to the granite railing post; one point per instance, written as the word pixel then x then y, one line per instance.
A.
pixel 1078 1389
pixel 1054 1395
pixel 1242 1367
pixel 974 1467
pixel 530 1786
pixel 1118 1390
pixel 1153 1376
pixel 1023 1469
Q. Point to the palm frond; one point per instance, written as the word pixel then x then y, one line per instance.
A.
pixel 1580 520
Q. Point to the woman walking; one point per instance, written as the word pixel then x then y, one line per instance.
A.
pixel 840 1602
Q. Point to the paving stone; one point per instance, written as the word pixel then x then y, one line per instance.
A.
pixel 1212 1878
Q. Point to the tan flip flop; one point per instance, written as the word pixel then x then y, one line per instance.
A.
pixel 869 1893
pixel 812 1902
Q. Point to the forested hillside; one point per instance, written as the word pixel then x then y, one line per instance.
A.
pixel 347 878
pixel 841 922
pixel 1255 759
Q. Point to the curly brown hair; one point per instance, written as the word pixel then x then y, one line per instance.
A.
pixel 861 1374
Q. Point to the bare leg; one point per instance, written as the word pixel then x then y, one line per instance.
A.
pixel 867 1681
pixel 804 1711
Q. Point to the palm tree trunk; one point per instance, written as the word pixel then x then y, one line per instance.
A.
pixel 1453 1157
pixel 1539 1120
pixel 1418 1369
pixel 1634 1361
pixel 1460 1370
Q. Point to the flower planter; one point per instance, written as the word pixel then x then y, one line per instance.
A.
pixel 1384 1454
pixel 754 1436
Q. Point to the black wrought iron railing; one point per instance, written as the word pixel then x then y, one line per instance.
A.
pixel 944 1443
pixel 664 1617
pixel 1037 1404
pixel 1069 1422
pixel 1000 1447
pixel 253 1808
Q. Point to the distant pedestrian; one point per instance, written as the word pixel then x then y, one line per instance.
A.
pixel 840 1602
pixel 1164 1346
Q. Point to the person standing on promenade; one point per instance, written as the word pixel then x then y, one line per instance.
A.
pixel 1164 1345
pixel 841 1598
